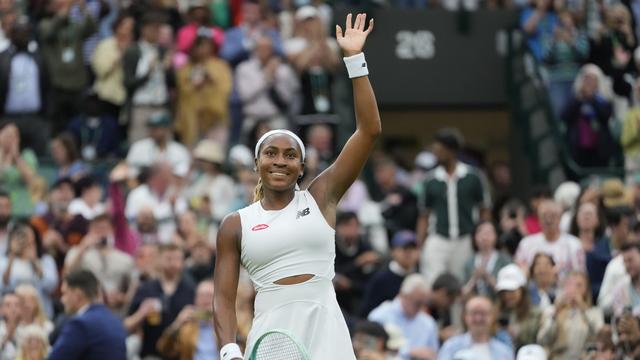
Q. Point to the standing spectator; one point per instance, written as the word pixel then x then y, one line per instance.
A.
pixel 386 283
pixel 539 22
pixel 204 85
pixel 198 16
pixel 355 261
pixel 452 192
pixel 191 335
pixel 5 220
pixel 477 342
pixel 34 344
pixel 88 202
pixel 626 294
pixel 212 187
pixel 159 146
pixel 398 204
pixel 481 270
pixel 565 249
pixel 96 130
pixel 147 75
pixel 96 253
pixel 563 56
pixel 62 41
pixel 589 231
pixel 587 116
pixel 107 65
pixel 543 281
pixel 65 155
pixel 405 312
pixel 11 317
pixel 157 303
pixel 17 171
pixel 267 86
pixel 92 332
pixel 517 318
pixel 571 322
pixel 315 57
pixel 23 87
pixel 26 262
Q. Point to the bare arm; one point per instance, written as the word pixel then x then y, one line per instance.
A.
pixel 331 184
pixel 422 226
pixel 226 279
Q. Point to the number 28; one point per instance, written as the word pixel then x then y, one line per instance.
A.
pixel 415 44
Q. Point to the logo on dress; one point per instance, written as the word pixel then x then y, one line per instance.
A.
pixel 259 227
pixel 302 213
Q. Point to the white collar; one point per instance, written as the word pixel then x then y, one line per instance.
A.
pixel 461 171
pixel 83 310
pixel 397 269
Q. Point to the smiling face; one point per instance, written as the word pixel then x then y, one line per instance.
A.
pixel 279 162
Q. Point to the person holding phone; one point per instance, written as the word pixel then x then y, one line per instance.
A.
pixel 191 333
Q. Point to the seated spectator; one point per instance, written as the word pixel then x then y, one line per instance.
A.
pixel 198 16
pixel 370 340
pixel 192 335
pixel 157 303
pixel 95 130
pixel 65 155
pixel 92 332
pixel 267 87
pixel 106 63
pixel 32 313
pixel 34 344
pixel 614 41
pixel 629 137
pixel 147 266
pixel 398 204
pixel 23 86
pixel 355 261
pixel 571 322
pixel 539 194
pixel 192 231
pixel 159 146
pixel 211 187
pixel 482 269
pixel 567 194
pixel 565 249
pixel 27 263
pixel 17 171
pixel 587 116
pixel 88 198
pixel 405 312
pixel 442 304
pixel 157 200
pixel 627 328
pixel 97 253
pixel 5 220
pixel 385 284
pixel 531 352
pixel 147 73
pixel 201 262
pixel 614 275
pixel 478 342
pixel 588 229
pixel 518 320
pixel 625 293
pixel 543 282
pixel 11 317
pixel 512 225
pixel 315 57
pixel 204 85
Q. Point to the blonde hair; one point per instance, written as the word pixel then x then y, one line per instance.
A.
pixel 30 292
pixel 258 192
pixel 30 332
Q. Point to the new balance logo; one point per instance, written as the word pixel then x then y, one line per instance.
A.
pixel 364 64
pixel 302 213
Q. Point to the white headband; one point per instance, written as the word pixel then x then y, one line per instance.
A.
pixel 280 131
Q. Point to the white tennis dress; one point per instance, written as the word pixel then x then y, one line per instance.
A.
pixel 293 241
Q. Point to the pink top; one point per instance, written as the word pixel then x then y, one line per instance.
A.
pixel 188 33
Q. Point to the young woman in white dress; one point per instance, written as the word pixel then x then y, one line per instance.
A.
pixel 285 239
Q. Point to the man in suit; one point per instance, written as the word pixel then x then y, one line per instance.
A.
pixel 93 332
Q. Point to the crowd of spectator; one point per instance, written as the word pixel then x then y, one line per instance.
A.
pixel 126 135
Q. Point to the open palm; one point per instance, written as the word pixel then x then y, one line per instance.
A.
pixel 353 39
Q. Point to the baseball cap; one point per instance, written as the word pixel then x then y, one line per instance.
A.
pixel 510 278
pixel 210 151
pixel 159 119
pixel 306 12
pixel 531 352
pixel 404 238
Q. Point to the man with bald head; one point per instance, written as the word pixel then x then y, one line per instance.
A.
pixel 565 249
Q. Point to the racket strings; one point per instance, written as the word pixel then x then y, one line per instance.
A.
pixel 277 346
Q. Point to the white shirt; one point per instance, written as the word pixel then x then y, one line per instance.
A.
pixel 566 251
pixel 614 275
pixel 23 93
pixel 142 197
pixel 154 91
pixel 145 152
pixel 79 206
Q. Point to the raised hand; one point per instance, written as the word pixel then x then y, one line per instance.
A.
pixel 355 35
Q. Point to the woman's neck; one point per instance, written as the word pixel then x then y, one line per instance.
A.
pixel 485 253
pixel 273 200
pixel 587 237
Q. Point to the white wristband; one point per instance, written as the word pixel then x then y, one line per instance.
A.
pixel 230 351
pixel 356 65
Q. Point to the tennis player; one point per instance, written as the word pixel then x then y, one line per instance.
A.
pixel 285 240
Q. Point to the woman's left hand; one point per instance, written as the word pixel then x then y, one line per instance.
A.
pixel 354 37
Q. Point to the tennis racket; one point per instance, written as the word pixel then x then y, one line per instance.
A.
pixel 278 345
